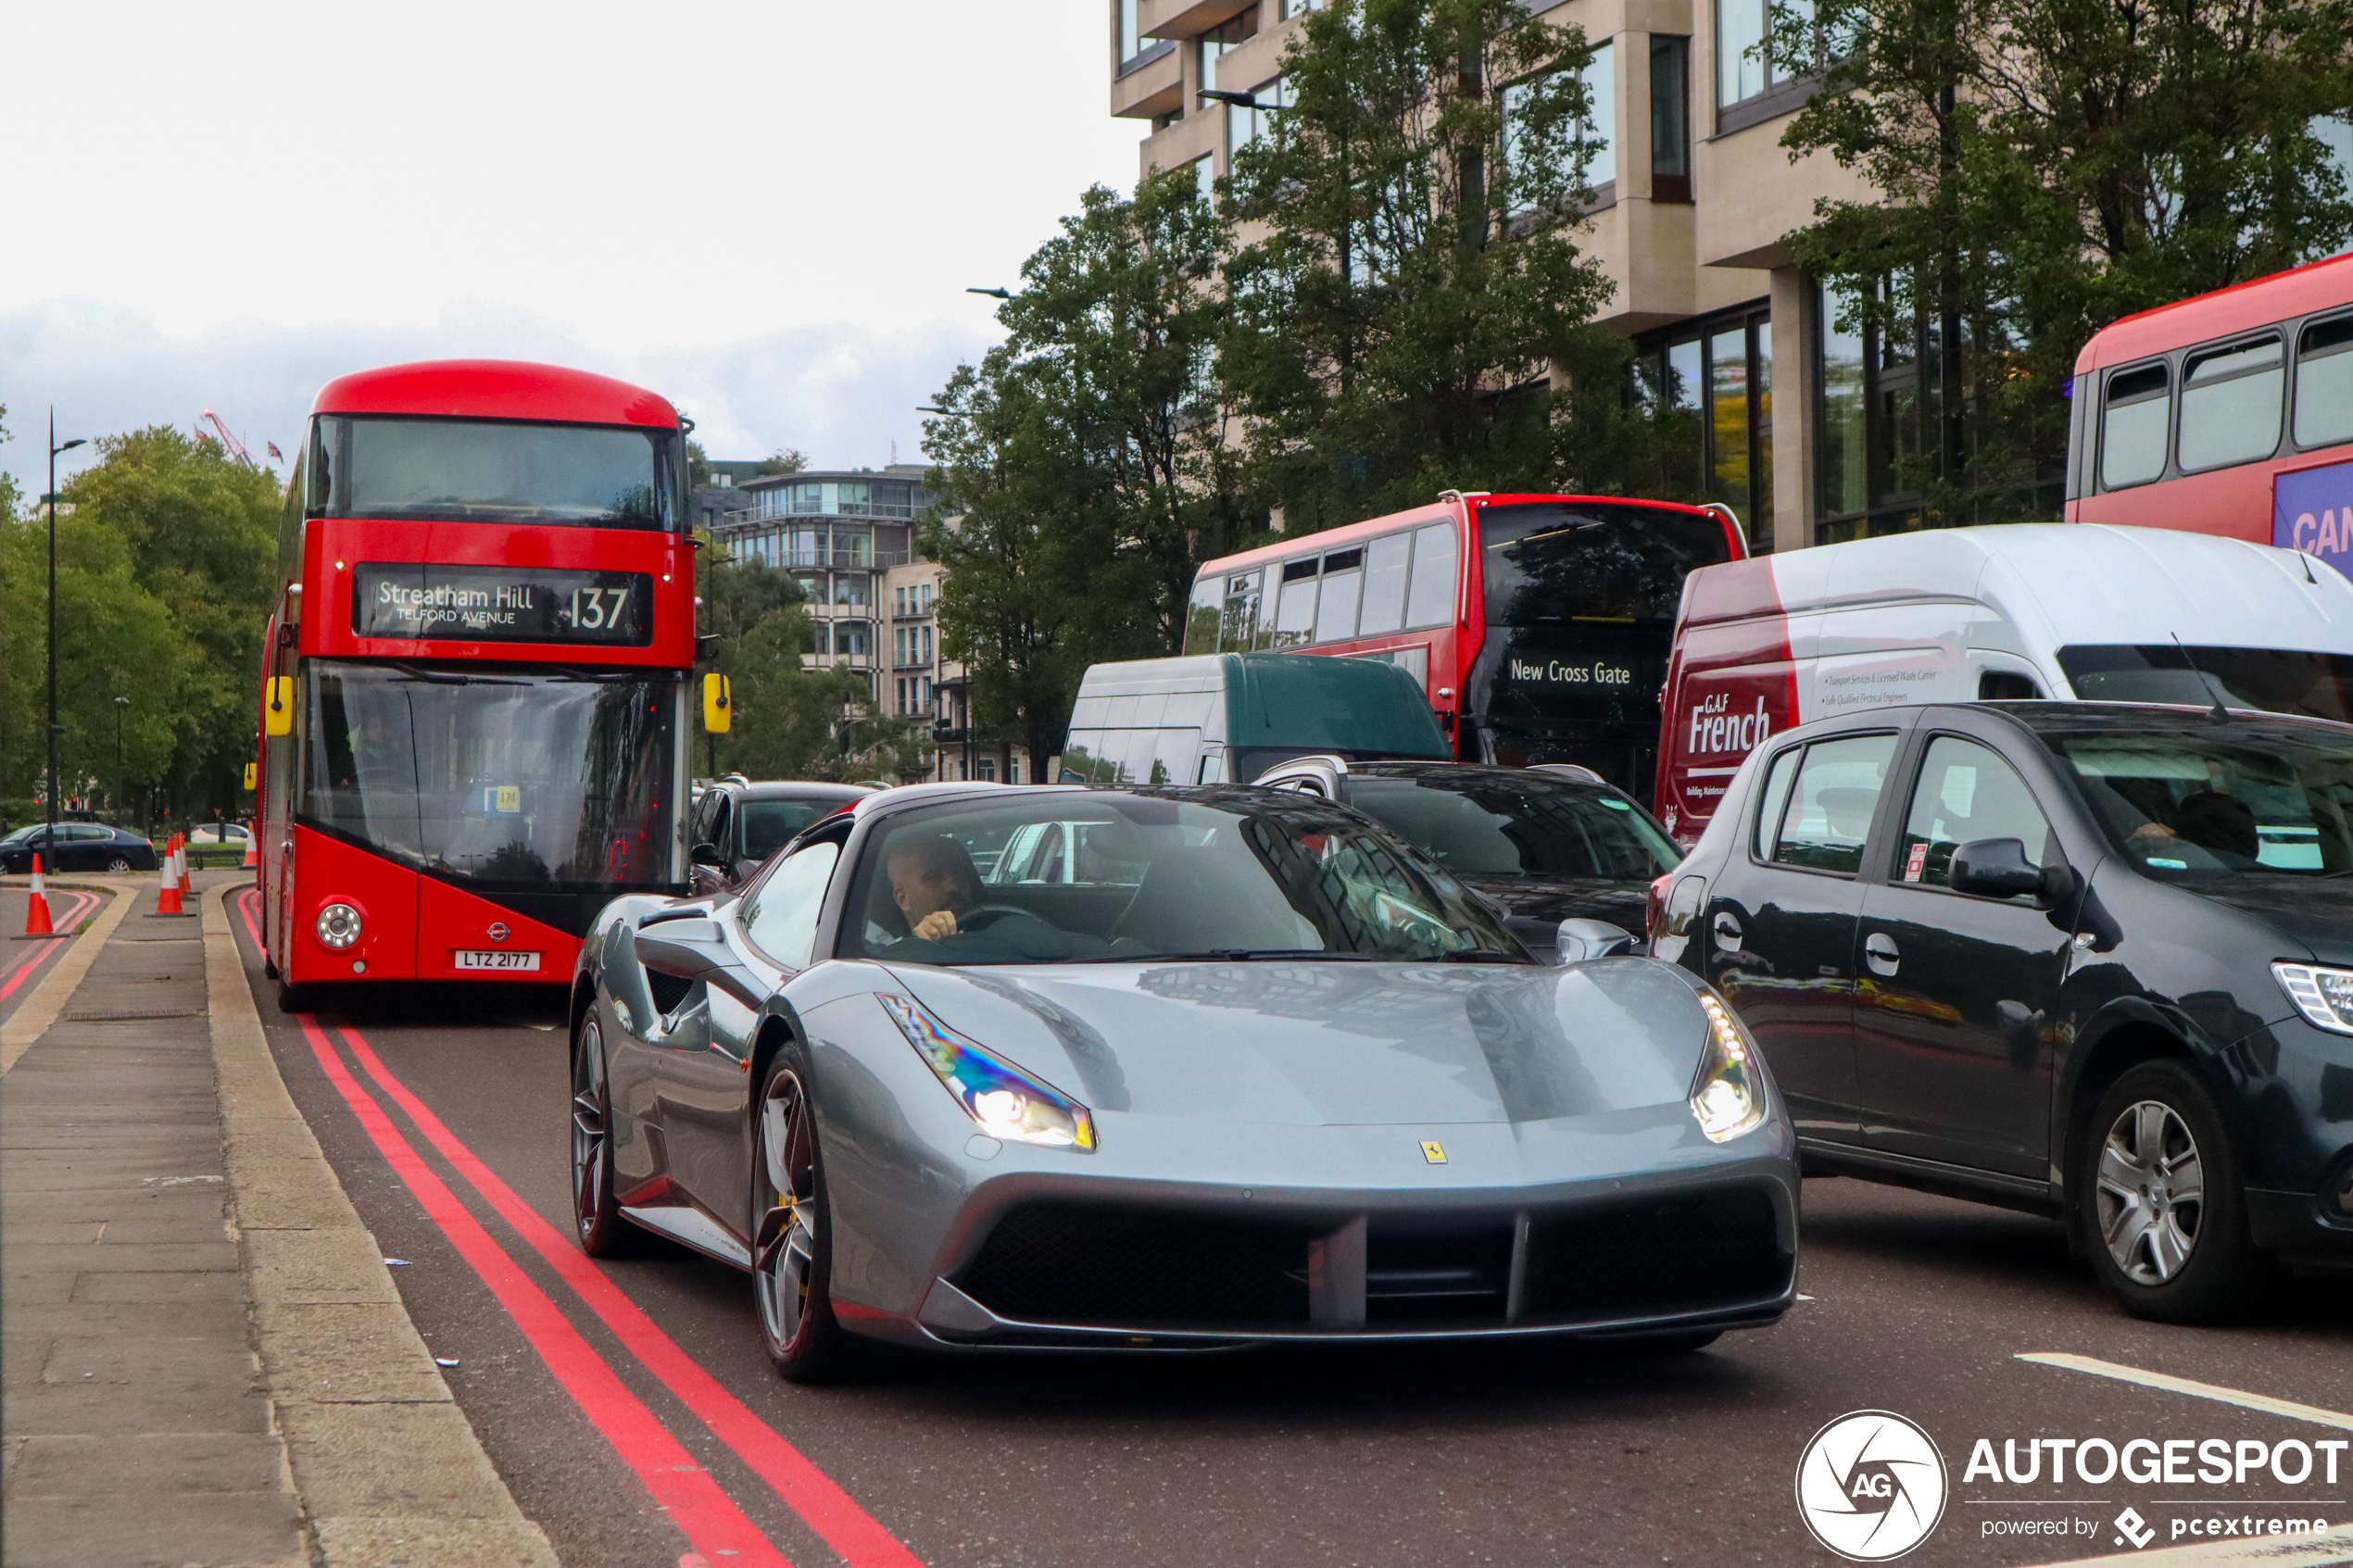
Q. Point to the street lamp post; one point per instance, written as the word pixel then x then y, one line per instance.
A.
pixel 52 499
pixel 122 775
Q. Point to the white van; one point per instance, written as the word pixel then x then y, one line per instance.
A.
pixel 1228 717
pixel 2054 610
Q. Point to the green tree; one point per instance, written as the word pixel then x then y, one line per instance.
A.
pixel 2042 168
pixel 1402 322
pixel 200 533
pixel 114 639
pixel 785 459
pixel 1085 461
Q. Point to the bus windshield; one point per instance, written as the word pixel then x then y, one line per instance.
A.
pixel 491 471
pixel 497 779
pixel 1580 603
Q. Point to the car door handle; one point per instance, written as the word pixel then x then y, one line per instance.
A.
pixel 1881 952
pixel 1728 931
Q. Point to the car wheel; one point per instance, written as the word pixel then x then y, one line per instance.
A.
pixel 595 1216
pixel 792 1252
pixel 2158 1201
pixel 119 865
pixel 294 999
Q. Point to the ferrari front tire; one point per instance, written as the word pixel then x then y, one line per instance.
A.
pixel 792 1241
pixel 597 1218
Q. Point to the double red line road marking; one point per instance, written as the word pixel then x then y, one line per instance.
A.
pixel 42 947
pixel 715 1528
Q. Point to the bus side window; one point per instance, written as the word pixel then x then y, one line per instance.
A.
pixel 1239 633
pixel 2230 404
pixel 2324 383
pixel 1385 560
pixel 2132 427
pixel 1295 611
pixel 1437 559
pixel 1201 619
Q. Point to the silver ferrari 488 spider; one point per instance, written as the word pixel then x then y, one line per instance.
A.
pixel 973 1066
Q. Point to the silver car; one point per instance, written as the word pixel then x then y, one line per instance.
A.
pixel 1249 1069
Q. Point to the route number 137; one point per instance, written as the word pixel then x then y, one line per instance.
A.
pixel 598 610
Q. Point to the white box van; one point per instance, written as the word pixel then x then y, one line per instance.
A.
pixel 2031 611
pixel 1228 717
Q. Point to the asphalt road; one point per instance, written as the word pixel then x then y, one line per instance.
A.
pixel 1492 1456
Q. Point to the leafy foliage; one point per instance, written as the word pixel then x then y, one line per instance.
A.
pixel 2050 165
pixel 165 556
pixel 1087 459
pixel 1396 326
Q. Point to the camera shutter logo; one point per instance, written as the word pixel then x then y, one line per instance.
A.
pixel 1871 1485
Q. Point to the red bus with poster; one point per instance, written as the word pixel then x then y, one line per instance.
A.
pixel 1539 625
pixel 474 694
pixel 2230 413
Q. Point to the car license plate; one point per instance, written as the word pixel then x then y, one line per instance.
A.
pixel 492 957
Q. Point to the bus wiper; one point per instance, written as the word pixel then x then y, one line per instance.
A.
pixel 447 678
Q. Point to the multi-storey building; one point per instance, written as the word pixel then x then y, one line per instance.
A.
pixel 1694 195
pixel 848 536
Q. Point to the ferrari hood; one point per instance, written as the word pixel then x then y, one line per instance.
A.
pixel 1329 1044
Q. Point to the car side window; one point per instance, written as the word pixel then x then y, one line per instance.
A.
pixel 781 918
pixel 722 825
pixel 1774 800
pixel 1967 792
pixel 1832 802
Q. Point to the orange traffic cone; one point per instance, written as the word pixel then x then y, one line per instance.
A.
pixel 181 839
pixel 253 857
pixel 168 901
pixel 36 918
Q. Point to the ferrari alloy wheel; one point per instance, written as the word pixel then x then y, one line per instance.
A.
pixel 790 1257
pixel 2156 1199
pixel 602 1232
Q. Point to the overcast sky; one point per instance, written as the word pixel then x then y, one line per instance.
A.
pixel 767 212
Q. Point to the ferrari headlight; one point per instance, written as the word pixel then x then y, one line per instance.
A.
pixel 1007 1102
pixel 1729 1095
pixel 2323 995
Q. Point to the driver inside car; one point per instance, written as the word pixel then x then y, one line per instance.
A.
pixel 938 892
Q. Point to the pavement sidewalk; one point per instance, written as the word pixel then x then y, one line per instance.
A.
pixel 205 1358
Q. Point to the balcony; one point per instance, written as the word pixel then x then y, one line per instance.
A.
pixel 945 736
pixel 1152 84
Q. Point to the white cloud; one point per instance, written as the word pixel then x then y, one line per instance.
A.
pixel 768 211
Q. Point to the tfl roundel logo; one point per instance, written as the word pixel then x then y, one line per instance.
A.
pixel 1870 1485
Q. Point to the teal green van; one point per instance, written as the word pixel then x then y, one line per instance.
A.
pixel 1228 717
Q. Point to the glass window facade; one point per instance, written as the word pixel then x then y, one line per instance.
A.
pixel 1712 382
pixel 1600 118
pixel 1670 119
pixel 1747 64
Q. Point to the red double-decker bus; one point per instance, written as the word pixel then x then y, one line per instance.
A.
pixel 2227 413
pixel 1537 624
pixel 473 699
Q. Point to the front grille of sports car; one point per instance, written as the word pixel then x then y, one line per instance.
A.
pixel 1061 1262
pixel 1670 1254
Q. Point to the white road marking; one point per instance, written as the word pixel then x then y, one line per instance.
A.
pixel 2239 1397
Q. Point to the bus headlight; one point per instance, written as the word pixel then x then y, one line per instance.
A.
pixel 338 926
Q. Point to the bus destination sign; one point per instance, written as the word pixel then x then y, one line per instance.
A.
pixel 500 603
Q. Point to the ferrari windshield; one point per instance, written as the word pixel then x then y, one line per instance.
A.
pixel 1195 874
pixel 2238 799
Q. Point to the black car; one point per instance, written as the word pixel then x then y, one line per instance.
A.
pixel 79 847
pixel 2092 959
pixel 738 824
pixel 1548 843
